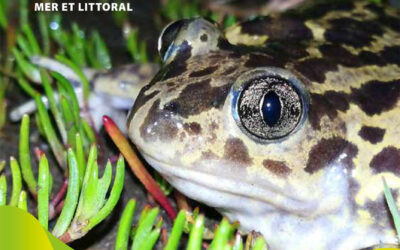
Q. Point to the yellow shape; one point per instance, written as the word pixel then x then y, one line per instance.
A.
pixel 20 230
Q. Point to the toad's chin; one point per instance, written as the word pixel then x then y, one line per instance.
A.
pixel 286 223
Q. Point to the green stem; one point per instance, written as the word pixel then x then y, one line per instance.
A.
pixel 104 184
pixel 25 157
pixel 125 225
pixel 90 195
pixel 114 195
pixel 68 120
pixel 51 135
pixel 54 107
pixel 78 45
pixel 71 94
pixel 144 229
pixel 196 234
pixel 43 192
pixel 71 200
pixel 26 67
pixel 24 45
pixel 151 239
pixel 102 54
pixel 88 131
pixel 91 162
pixel 80 156
pixel 31 39
pixel 177 230
pixel 23 12
pixel 92 158
pixel 17 182
pixel 3 190
pixel 222 234
pixel 44 31
pixel 3 14
pixel 26 87
pixel 260 244
pixel 22 201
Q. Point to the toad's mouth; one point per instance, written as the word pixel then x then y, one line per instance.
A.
pixel 201 186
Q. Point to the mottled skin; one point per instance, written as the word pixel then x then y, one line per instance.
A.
pixel 319 187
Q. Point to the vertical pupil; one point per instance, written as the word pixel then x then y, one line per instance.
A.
pixel 271 108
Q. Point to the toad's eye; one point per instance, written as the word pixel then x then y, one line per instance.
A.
pixel 167 37
pixel 269 103
pixel 189 37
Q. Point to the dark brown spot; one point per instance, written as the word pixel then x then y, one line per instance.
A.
pixel 370 58
pixel 333 55
pixel 391 54
pixel 237 152
pixel 372 134
pixel 282 29
pixel 204 72
pixel 198 97
pixel 375 97
pixel 330 151
pixel 142 98
pixel 260 60
pixel 318 9
pixel 279 168
pixel 315 69
pixel 390 21
pixel 192 128
pixel 223 44
pixel 327 104
pixel 337 100
pixel 174 69
pixel 288 51
pixel 204 38
pixel 388 160
pixel 339 55
pixel 158 125
pixel 352 32
pixel 378 10
pixel 140 101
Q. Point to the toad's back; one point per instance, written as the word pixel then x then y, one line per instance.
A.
pixel 290 134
